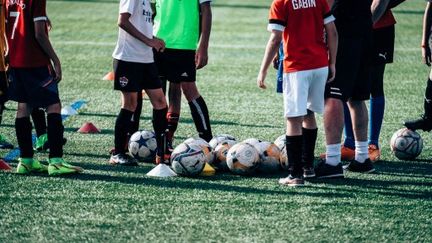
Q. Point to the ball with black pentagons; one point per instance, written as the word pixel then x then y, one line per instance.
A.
pixel 142 145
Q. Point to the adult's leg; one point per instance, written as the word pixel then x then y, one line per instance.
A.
pixel 359 117
pixel 333 126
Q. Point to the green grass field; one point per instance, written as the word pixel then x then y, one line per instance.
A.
pixel 117 204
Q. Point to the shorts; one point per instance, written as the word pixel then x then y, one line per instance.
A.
pixel 33 86
pixel 304 90
pixel 134 76
pixel 176 65
pixel 352 79
pixel 383 41
pixel 4 84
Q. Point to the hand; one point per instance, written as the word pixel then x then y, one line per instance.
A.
pixel 57 71
pixel 157 44
pixel 201 58
pixel 426 55
pixel 276 62
pixel 261 80
pixel 332 73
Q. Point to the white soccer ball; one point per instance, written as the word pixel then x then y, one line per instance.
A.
pixel 280 142
pixel 216 140
pixel 252 141
pixel 406 144
pixel 188 159
pixel 269 155
pixel 207 150
pixel 220 153
pixel 243 159
pixel 283 159
pixel 142 145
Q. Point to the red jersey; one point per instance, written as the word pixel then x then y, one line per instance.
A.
pixel 24 50
pixel 385 21
pixel 302 23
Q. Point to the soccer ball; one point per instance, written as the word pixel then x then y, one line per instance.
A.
pixel 220 153
pixel 283 159
pixel 142 145
pixel 269 155
pixel 406 144
pixel 243 159
pixel 208 153
pixel 188 159
pixel 216 140
pixel 280 142
pixel 252 141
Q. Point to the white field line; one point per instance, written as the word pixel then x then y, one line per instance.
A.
pixel 224 46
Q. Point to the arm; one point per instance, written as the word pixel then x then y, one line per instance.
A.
pixel 271 49
pixel 427 18
pixel 201 57
pixel 378 8
pixel 43 40
pixel 332 43
pixel 126 25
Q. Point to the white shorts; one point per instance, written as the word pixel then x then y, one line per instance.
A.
pixel 304 90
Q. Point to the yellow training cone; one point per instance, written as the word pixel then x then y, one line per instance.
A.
pixel 208 170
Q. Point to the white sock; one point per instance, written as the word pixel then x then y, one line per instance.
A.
pixel 361 151
pixel 333 154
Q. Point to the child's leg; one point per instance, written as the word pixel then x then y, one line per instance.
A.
pixel 309 132
pixel 348 129
pixel 158 101
pixel 55 131
pixel 23 129
pixel 38 117
pixel 137 113
pixel 377 103
pixel 174 108
pixel 294 140
pixel 124 121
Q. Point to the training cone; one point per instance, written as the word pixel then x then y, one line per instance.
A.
pixel 208 170
pixel 68 111
pixel 88 127
pixel 109 76
pixel 162 170
pixel 4 165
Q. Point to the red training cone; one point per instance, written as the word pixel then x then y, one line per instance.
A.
pixel 4 165
pixel 88 127
pixel 109 76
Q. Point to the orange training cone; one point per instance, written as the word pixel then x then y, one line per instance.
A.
pixel 109 76
pixel 4 165
pixel 88 127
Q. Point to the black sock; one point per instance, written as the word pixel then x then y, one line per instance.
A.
pixel 294 154
pixel 428 100
pixel 308 147
pixel 23 129
pixel 201 118
pixel 122 127
pixel 160 127
pixel 137 114
pixel 172 119
pixel 55 135
pixel 39 122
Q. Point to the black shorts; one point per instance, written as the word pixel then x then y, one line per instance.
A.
pixel 134 77
pixel 4 84
pixel 383 41
pixel 34 86
pixel 176 65
pixel 352 73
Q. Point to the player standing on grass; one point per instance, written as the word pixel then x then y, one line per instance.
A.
pixel 425 121
pixel 354 20
pixel 135 70
pixel 309 61
pixel 35 71
pixel 185 26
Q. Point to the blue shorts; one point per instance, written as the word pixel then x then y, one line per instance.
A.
pixel 33 86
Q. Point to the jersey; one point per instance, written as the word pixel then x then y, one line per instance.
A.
pixel 302 23
pixel 353 17
pixel 129 48
pixel 178 23
pixel 3 45
pixel 24 50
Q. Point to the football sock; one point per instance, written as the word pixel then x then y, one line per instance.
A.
pixel 122 127
pixel 361 151
pixel 23 129
pixel 201 118
pixel 376 114
pixel 55 135
pixel 333 154
pixel 349 134
pixel 428 100
pixel 173 119
pixel 39 122
pixel 160 126
pixel 294 154
pixel 308 147
pixel 137 114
